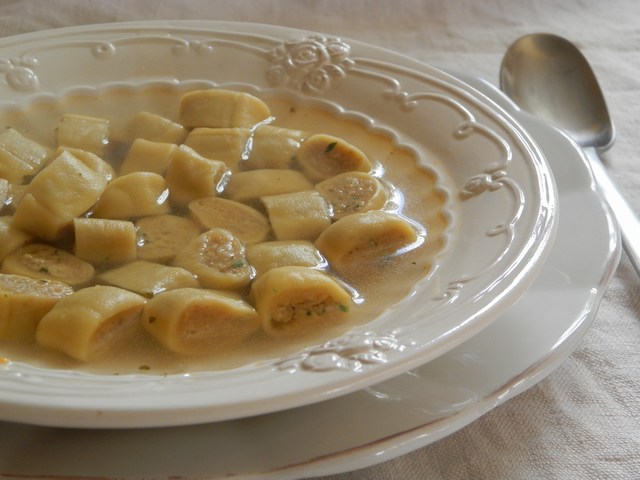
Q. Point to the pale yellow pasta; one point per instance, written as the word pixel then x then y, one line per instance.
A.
pixel 246 223
pixel 11 237
pixel 105 241
pixel 136 194
pixel 63 190
pixel 23 303
pixel 284 253
pixel 83 132
pixel 156 128
pixel 249 186
pixel 322 156
pixel 273 147
pixel 298 215
pixel 294 300
pixel 191 176
pixel 360 238
pixel 353 192
pixel 92 322
pixel 91 160
pixel 19 156
pixel 222 108
pixel 161 237
pixel 217 258
pixel 198 321
pixel 227 145
pixel 46 262
pixel 148 278
pixel 147 156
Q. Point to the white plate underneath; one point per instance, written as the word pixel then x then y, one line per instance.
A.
pixel 390 419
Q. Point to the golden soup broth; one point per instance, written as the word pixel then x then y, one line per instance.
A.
pixel 379 284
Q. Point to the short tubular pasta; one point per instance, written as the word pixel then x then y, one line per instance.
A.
pixel 103 241
pixel 227 145
pixel 251 185
pixel 322 156
pixel 273 147
pixel 191 176
pixel 283 253
pixel 353 192
pixel 148 278
pixel 46 262
pixel 23 303
pixel 199 322
pixel 63 190
pixel 217 258
pixel 222 108
pixel 161 237
pixel 294 300
pixel 299 215
pixel 243 221
pixel 365 237
pixel 91 322
pixel 133 195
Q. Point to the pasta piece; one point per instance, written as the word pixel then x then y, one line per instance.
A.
pixel 221 108
pixel 42 261
pixel 191 176
pixel 322 156
pixel 90 323
pixel 217 258
pixel 147 156
pixel 61 191
pixel 227 145
pixel 137 194
pixel 273 147
pixel 284 253
pixel 353 192
pixel 161 237
pixel 83 132
pixel 11 237
pixel 364 237
pixel 19 156
pixel 156 128
pixel 199 322
pixel 294 300
pixel 148 278
pixel 298 215
pixel 23 303
pixel 91 160
pixel 246 223
pixel 249 186
pixel 105 242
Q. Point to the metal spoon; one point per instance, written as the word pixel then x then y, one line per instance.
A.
pixel 546 75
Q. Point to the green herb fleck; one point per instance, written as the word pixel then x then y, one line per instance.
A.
pixel 330 147
pixel 44 270
pixel 144 367
pixel 237 264
pixel 343 308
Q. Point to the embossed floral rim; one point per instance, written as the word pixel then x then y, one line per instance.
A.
pixel 502 162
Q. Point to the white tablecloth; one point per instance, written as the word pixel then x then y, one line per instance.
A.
pixel 583 421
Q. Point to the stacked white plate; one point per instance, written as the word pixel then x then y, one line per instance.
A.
pixel 502 308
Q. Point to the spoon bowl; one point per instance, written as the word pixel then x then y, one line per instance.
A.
pixel 548 76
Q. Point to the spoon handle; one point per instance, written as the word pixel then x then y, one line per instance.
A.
pixel 627 220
